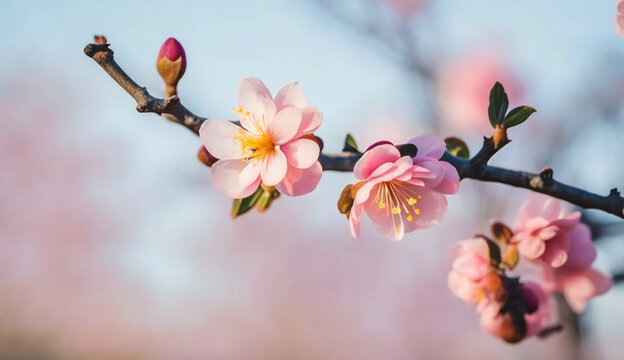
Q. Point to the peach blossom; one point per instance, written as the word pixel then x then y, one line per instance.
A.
pixel 401 194
pixel 464 89
pixel 542 230
pixel 470 266
pixel 576 279
pixel 270 146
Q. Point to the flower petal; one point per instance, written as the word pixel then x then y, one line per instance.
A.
pixel 618 23
pixel 285 125
pixel 432 207
pixel 374 158
pixel 273 167
pixel 291 94
pixel 311 119
pixel 236 178
pixel 300 181
pixel 530 247
pixel 429 146
pixel 301 153
pixel 355 216
pixel 218 136
pixel 580 287
pixel 254 97
pixel 556 251
pixel 539 319
pixel 582 252
pixel 450 181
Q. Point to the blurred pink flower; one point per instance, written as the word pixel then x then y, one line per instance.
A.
pixel 464 88
pixel 271 147
pixel 543 231
pixel 619 18
pixel 406 9
pixel 471 265
pixel 576 279
pixel 401 194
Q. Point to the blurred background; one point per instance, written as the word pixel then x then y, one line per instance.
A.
pixel 115 245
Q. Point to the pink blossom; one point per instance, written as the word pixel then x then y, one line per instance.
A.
pixel 465 87
pixel 619 18
pixel 401 194
pixel 542 230
pixel 271 146
pixel 406 9
pixel 471 265
pixel 576 279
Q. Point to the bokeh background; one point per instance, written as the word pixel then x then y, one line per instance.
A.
pixel 115 245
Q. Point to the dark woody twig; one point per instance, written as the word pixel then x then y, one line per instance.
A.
pixel 475 168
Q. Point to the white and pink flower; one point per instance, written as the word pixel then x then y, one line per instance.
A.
pixel 272 145
pixel 401 194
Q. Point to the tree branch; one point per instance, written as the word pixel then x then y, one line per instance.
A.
pixel 475 168
pixel 172 106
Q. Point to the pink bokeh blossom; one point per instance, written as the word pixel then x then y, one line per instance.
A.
pixel 619 18
pixel 543 231
pixel 464 88
pixel 401 194
pixel 471 264
pixel 271 146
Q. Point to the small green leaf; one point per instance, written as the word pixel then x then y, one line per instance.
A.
pixel 241 206
pixel 498 104
pixel 350 145
pixel 517 116
pixel 457 147
pixel 495 253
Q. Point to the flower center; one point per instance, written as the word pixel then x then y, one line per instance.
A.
pixel 397 198
pixel 254 145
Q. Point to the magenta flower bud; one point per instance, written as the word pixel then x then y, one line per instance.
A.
pixel 530 301
pixel 382 142
pixel 171 62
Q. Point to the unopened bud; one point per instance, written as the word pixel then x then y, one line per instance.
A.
pixel 99 39
pixel 495 285
pixel 513 327
pixel 205 157
pixel 499 136
pixel 530 301
pixel 171 62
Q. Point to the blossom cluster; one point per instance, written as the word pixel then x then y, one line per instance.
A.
pixel 557 243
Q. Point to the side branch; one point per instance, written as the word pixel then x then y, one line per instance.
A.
pixel 475 168
pixel 171 107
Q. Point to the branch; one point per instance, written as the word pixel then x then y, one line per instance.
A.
pixel 475 168
pixel 146 103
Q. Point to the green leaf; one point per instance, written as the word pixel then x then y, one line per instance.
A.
pixel 457 147
pixel 495 253
pixel 517 116
pixel 498 104
pixel 266 199
pixel 241 206
pixel 350 145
